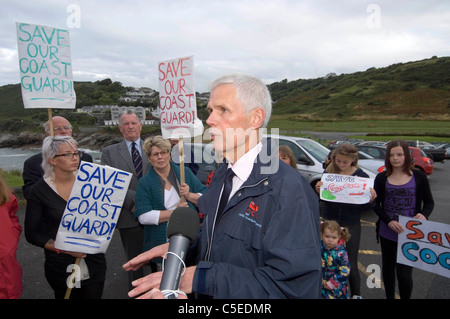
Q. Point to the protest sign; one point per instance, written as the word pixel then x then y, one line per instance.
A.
pixel 425 245
pixel 45 67
pixel 93 209
pixel 177 103
pixel 345 189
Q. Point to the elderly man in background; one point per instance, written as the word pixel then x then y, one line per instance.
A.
pixel 128 156
pixel 32 167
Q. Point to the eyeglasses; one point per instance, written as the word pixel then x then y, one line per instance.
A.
pixel 162 153
pixel 60 128
pixel 70 155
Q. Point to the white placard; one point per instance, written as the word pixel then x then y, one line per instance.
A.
pixel 177 103
pixel 345 189
pixel 425 245
pixel 45 67
pixel 93 209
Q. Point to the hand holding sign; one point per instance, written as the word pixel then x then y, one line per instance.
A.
pixel 346 189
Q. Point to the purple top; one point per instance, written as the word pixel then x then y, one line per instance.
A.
pixel 399 200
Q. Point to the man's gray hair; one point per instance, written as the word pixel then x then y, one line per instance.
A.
pixel 129 111
pixel 250 91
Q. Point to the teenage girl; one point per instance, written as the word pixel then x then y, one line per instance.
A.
pixel 401 190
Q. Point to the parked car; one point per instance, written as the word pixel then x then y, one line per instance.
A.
pixel 370 164
pixel 311 155
pixel 378 152
pixel 436 154
pixel 446 147
pixel 421 160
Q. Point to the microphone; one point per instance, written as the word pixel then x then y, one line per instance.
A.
pixel 182 229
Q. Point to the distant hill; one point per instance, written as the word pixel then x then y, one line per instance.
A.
pixel 419 89
pixel 13 116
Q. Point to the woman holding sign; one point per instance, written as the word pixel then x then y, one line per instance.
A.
pixel 344 161
pixel 401 190
pixel 160 192
pixel 45 207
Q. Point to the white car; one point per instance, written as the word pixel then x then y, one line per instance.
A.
pixel 311 155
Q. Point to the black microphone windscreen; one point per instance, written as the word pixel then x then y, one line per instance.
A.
pixel 184 221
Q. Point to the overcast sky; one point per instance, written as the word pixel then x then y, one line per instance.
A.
pixel 271 39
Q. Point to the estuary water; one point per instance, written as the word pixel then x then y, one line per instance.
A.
pixel 13 158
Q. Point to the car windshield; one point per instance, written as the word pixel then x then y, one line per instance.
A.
pixel 318 151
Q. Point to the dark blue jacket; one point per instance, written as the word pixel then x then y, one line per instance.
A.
pixel 267 243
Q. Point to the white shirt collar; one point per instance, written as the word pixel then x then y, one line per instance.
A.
pixel 244 166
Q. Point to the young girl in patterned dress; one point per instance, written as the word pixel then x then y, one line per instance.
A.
pixel 335 263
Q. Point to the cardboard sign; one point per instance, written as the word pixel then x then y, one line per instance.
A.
pixel 345 189
pixel 45 67
pixel 177 104
pixel 424 245
pixel 93 209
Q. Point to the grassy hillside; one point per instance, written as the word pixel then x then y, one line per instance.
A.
pixel 417 91
pixel 414 90
pixel 14 117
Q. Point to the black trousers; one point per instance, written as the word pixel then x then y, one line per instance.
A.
pixel 133 242
pixel 352 247
pixel 390 268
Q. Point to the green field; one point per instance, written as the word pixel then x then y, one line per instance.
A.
pixel 424 130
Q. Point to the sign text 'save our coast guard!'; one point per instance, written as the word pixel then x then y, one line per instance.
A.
pixel 45 67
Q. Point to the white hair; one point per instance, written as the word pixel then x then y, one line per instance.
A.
pixel 50 148
pixel 250 91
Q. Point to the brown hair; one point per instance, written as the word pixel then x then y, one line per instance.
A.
pixel 408 165
pixel 345 149
pixel 285 150
pixel 334 226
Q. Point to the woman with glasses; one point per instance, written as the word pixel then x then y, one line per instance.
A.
pixel 159 192
pixel 46 203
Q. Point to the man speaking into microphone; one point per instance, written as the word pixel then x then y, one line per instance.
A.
pixel 260 235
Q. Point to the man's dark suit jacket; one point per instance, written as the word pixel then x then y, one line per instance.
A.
pixel 32 170
pixel 118 156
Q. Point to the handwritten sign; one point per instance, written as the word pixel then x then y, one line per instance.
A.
pixel 93 209
pixel 345 189
pixel 45 67
pixel 425 245
pixel 177 104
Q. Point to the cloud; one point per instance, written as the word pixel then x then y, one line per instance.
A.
pixel 271 39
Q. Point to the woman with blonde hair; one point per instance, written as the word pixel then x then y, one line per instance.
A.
pixel 344 161
pixel 159 192
pixel 46 203
pixel 10 229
